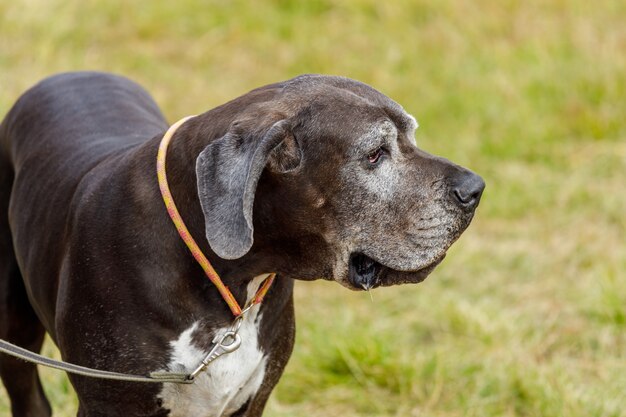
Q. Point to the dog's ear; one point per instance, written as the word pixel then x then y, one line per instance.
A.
pixel 286 156
pixel 228 171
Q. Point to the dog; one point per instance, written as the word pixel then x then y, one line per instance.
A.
pixel 315 177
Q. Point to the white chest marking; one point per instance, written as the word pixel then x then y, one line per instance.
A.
pixel 228 382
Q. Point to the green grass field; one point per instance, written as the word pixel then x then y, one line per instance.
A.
pixel 527 315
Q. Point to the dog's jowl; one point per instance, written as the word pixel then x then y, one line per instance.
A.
pixel 317 176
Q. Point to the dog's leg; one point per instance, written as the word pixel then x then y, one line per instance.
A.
pixel 18 322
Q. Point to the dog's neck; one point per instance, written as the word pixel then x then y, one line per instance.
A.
pixel 187 143
pixel 185 146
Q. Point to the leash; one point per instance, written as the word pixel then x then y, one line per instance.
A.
pixel 32 357
pixel 223 343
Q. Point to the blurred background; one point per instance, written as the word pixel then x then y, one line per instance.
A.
pixel 527 315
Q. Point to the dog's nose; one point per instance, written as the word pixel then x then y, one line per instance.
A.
pixel 467 190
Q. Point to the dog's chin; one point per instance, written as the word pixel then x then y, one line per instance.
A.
pixel 365 273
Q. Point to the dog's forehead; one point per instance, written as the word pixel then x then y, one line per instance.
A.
pixel 333 105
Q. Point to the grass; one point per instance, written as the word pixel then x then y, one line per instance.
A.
pixel 527 315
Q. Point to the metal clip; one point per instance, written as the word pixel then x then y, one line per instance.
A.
pixel 236 325
pixel 222 343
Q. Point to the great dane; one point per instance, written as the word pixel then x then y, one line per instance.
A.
pixel 314 177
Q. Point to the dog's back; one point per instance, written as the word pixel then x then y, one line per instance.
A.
pixel 80 117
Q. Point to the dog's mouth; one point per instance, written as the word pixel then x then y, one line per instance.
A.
pixel 367 273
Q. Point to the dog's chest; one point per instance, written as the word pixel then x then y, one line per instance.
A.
pixel 227 383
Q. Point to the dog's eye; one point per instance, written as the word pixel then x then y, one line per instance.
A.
pixel 375 156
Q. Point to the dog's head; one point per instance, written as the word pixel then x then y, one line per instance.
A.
pixel 322 176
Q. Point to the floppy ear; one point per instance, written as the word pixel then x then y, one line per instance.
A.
pixel 227 172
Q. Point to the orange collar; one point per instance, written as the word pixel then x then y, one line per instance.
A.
pixel 172 210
